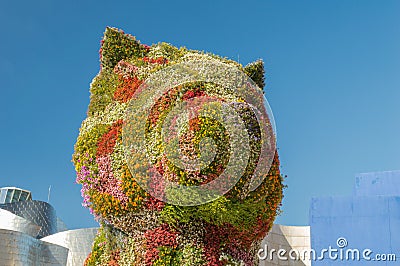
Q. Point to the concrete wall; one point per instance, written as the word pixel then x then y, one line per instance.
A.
pixel 378 184
pixel 287 238
pixel 369 219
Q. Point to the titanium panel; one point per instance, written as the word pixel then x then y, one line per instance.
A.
pixel 79 242
pixel 19 249
pixel 13 222
pixel 38 212
pixel 61 226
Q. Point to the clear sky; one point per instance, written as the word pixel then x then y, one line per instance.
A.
pixel 332 72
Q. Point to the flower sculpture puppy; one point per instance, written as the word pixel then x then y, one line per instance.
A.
pixel 177 157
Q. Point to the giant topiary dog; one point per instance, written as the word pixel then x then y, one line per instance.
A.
pixel 176 157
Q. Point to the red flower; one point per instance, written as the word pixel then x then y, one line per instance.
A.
pixel 158 60
pixel 159 237
pixel 126 89
pixel 107 142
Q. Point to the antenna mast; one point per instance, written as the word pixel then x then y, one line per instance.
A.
pixel 48 195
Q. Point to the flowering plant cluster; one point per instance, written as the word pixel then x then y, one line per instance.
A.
pixel 139 228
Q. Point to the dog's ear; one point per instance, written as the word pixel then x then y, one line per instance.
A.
pixel 255 71
pixel 117 45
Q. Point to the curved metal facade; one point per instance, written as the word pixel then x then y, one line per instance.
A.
pixel 32 234
pixel 19 249
pixel 79 242
pixel 37 212
pixel 10 221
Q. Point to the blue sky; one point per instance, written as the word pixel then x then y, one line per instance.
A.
pixel 332 72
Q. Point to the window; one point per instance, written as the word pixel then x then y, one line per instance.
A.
pixel 10 193
pixel 16 195
pixel 3 193
pixel 24 196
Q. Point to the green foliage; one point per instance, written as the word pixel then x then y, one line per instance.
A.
pixel 192 256
pixel 167 50
pixel 108 239
pixel 255 71
pixel 86 146
pixel 128 255
pixel 241 215
pixel 98 249
pixel 117 46
pixel 168 257
pixel 102 90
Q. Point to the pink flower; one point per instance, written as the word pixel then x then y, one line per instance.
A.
pixel 106 181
